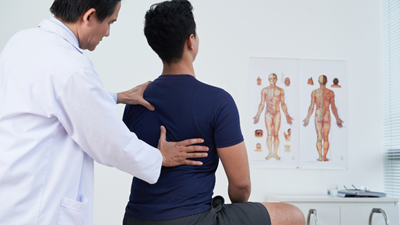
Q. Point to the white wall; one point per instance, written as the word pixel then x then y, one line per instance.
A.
pixel 230 32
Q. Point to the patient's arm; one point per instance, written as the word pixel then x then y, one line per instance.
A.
pixel 236 165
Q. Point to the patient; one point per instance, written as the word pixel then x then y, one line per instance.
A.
pixel 189 108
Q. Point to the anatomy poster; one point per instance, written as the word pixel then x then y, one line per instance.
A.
pixel 274 113
pixel 299 113
pixel 324 114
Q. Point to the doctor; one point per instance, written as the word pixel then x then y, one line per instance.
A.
pixel 55 118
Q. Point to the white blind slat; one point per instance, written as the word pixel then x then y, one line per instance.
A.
pixel 391 95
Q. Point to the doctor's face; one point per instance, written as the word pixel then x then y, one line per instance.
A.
pixel 97 30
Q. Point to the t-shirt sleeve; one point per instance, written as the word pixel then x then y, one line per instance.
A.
pixel 226 121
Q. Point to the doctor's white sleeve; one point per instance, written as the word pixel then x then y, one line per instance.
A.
pixel 114 96
pixel 90 116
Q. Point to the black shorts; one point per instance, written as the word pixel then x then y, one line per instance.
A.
pixel 248 213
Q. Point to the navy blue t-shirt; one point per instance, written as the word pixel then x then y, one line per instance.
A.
pixel 187 108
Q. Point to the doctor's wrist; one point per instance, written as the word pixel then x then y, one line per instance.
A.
pixel 121 98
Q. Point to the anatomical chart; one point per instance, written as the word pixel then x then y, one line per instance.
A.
pixel 299 110
pixel 274 108
pixel 324 111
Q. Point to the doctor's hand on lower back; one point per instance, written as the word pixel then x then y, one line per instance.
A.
pixel 134 96
pixel 179 153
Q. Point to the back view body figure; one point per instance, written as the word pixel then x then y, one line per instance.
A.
pixel 273 96
pixel 322 98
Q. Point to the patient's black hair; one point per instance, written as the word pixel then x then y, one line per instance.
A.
pixel 167 27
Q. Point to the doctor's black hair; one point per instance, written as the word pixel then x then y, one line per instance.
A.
pixel 167 26
pixel 69 11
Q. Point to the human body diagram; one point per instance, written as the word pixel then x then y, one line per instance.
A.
pixel 273 98
pixel 321 99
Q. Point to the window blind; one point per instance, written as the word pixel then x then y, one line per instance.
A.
pixel 391 95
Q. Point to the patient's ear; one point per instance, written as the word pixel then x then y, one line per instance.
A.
pixel 190 42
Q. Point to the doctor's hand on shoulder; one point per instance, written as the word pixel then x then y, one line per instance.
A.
pixel 134 96
pixel 179 153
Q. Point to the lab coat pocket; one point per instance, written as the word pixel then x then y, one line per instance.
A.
pixel 72 212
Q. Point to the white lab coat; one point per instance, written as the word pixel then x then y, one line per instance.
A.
pixel 55 118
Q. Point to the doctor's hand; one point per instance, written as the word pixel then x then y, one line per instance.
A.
pixel 178 153
pixel 134 96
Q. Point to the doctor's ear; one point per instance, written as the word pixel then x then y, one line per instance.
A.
pixel 89 15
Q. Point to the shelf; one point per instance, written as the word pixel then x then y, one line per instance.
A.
pixel 325 199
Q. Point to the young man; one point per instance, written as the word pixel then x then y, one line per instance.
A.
pixel 55 118
pixel 190 108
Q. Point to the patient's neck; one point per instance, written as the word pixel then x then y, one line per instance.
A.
pixel 179 68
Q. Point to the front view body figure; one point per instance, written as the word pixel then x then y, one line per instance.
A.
pixel 322 98
pixel 273 97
